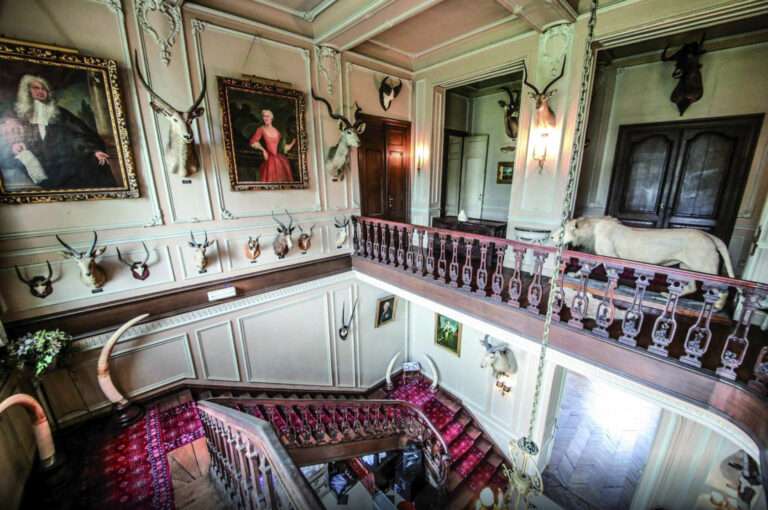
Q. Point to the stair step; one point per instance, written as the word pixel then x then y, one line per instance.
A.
pixel 481 476
pixel 459 447
pixel 454 429
pixel 470 461
pixel 448 402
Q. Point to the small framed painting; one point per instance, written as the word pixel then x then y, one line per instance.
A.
pixel 504 172
pixel 448 334
pixel 385 310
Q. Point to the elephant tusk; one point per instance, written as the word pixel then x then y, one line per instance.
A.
pixel 390 366
pixel 104 377
pixel 435 376
pixel 46 450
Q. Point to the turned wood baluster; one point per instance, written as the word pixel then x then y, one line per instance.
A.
pixel 391 253
pixel 760 372
pixel 700 335
pixel 497 280
pixel 384 252
pixel 242 469
pixel 375 254
pixel 430 255
pixel 535 289
pixel 441 263
pixel 466 269
pixel 633 318
pixel 254 474
pixel 665 326
pixel 409 250
pixel 420 253
pixel 606 310
pixel 368 240
pixel 515 287
pixel 559 301
pixel 400 250
pixel 356 235
pixel 481 278
pixel 737 343
pixel 580 303
pixel 453 268
pixel 268 485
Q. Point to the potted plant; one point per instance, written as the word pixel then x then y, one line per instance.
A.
pixel 40 351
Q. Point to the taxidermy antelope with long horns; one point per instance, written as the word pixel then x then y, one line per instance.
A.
pixel 545 116
pixel 180 150
pixel 305 240
pixel 338 155
pixel 91 274
pixel 283 241
pixel 139 269
pixel 200 256
pixel 497 357
pixel 341 230
pixel 346 325
pixel 511 112
pixel 39 286
pixel 689 87
pixel 388 92
pixel 253 249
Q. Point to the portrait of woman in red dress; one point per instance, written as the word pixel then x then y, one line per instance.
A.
pixel 275 167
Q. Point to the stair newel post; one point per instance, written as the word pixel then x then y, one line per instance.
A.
pixel 400 250
pixel 481 278
pixel 441 262
pixel 420 253
pixel 665 326
pixel 699 335
pixel 368 240
pixel 515 287
pixel 375 254
pixel 497 280
pixel 535 290
pixel 737 343
pixel 634 316
pixel 466 269
pixel 606 310
pixel 391 253
pixel 453 268
pixel 384 251
pixel 559 300
pixel 760 373
pixel 409 249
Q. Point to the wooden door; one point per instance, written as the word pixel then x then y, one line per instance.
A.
pixel 473 175
pixel 454 151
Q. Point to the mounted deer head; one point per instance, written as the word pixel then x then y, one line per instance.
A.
pixel 388 92
pixel 511 112
pixel 341 230
pixel 180 150
pixel 91 274
pixel 545 116
pixel 346 324
pixel 39 286
pixel 253 249
pixel 690 87
pixel 139 270
pixel 283 241
pixel 338 155
pixel 200 257
pixel 305 239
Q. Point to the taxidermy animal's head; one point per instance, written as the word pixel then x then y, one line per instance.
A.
pixel 350 131
pixel 545 116
pixel 180 136
pixel 91 274
pixel 689 87
pixel 305 239
pixel 283 242
pixel 388 92
pixel 39 286
pixel 139 269
pixel 253 248
pixel 200 249
pixel 511 112
pixel 581 232
pixel 498 357
pixel 341 230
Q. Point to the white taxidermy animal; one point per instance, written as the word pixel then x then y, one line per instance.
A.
pixel 91 274
pixel 283 242
pixel 305 239
pixel 180 150
pixel 341 231
pixel 338 155
pixel 200 257
pixel 253 248
pixel 498 357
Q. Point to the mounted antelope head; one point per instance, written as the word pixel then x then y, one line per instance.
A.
pixel 91 274
pixel 498 357
pixel 39 286
pixel 139 270
pixel 689 87
pixel 341 230
pixel 305 240
pixel 200 257
pixel 346 325
pixel 283 241
pixel 180 150
pixel 253 249
pixel 338 155
pixel 388 92
pixel 545 116
pixel 511 112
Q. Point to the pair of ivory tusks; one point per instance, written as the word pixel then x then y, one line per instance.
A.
pixel 433 369
pixel 104 377
pixel 42 430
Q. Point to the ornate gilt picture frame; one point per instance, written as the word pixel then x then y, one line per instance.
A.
pixel 448 334
pixel 265 135
pixel 63 128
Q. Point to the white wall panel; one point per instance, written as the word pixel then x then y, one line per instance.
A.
pixel 218 355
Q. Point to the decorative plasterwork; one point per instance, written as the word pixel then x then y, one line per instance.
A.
pixel 553 47
pixel 171 10
pixel 324 54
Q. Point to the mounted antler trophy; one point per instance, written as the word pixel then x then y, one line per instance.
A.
pixel 305 240
pixel 346 325
pixel 253 249
pixel 91 274
pixel 39 286
pixel 342 231
pixel 388 92
pixel 338 155
pixel 498 357
pixel 200 257
pixel 511 112
pixel 139 269
pixel 689 87
pixel 283 241
pixel 545 116
pixel 181 156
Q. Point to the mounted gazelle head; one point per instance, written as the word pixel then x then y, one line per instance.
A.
pixel 545 116
pixel 346 325
pixel 283 241
pixel 200 257
pixel 305 239
pixel 498 357
pixel 338 155
pixel 253 249
pixel 511 112
pixel 181 139
pixel 690 87
pixel 341 230
pixel 91 274
pixel 388 92
pixel 139 269
pixel 39 286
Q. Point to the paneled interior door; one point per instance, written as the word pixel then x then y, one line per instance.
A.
pixel 683 174
pixel 475 158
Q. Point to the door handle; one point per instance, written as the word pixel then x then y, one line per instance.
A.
pixel 390 199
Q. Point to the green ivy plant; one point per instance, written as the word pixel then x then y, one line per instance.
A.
pixel 39 351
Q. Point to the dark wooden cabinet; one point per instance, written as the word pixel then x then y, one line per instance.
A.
pixel 473 226
pixel 384 167
pixel 683 174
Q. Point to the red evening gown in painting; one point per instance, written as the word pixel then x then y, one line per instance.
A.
pixel 276 168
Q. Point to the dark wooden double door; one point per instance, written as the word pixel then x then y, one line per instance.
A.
pixel 683 174
pixel 384 160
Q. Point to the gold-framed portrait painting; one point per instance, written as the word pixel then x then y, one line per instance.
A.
pixel 264 135
pixel 385 310
pixel 63 128
pixel 448 334
pixel 504 172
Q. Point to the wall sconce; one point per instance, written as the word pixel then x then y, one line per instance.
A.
pixel 541 140
pixel 421 156
pixel 504 384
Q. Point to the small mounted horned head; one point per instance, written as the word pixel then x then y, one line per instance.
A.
pixel 342 230
pixel 545 116
pixel 200 257
pixel 305 239
pixel 511 112
pixel 283 241
pixel 139 269
pixel 690 87
pixel 346 325
pixel 91 274
pixel 253 249
pixel 39 286
pixel 338 155
pixel 388 92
